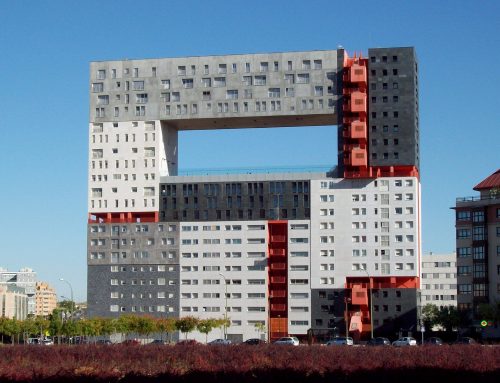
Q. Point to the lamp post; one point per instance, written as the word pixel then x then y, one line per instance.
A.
pixel 371 301
pixel 225 309
pixel 72 301
pixel 346 301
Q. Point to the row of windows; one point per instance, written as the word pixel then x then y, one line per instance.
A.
pixel 116 256
pixel 249 214
pixel 236 188
pixel 151 309
pixel 222 68
pixel 104 203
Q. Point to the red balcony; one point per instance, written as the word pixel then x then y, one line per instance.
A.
pixel 358 129
pixel 277 294
pixel 359 295
pixel 278 279
pixel 278 266
pixel 278 307
pixel 277 238
pixel 358 102
pixel 357 73
pixel 357 157
pixel 277 252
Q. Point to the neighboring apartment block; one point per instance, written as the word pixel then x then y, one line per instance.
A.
pixel 13 302
pixel 46 299
pixel 294 251
pixel 25 278
pixel 439 279
pixel 478 246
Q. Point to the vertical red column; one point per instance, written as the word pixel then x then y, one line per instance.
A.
pixel 354 117
pixel 278 278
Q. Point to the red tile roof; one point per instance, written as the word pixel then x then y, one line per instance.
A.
pixel 490 182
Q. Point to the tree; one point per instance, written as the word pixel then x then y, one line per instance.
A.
pixel 205 326
pixel 448 317
pixel 489 312
pixel 144 325
pixel 165 325
pixel 260 327
pixel 429 315
pixel 186 324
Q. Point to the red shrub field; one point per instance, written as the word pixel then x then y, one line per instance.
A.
pixel 241 364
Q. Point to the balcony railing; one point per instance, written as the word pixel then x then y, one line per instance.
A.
pixel 478 198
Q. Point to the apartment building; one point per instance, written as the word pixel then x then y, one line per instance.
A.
pixel 294 251
pixel 46 299
pixel 13 302
pixel 439 279
pixel 25 278
pixel 478 246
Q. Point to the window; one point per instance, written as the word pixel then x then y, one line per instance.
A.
pixel 260 80
pixel 231 94
pixel 187 83
pixel 318 64
pixel 303 78
pixel 219 81
pixel 222 69
pixel 274 92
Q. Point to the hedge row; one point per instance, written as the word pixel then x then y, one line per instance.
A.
pixel 120 363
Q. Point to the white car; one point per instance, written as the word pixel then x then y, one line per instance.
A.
pixel 291 340
pixel 339 341
pixel 405 341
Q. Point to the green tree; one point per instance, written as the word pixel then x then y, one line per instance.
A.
pixel 186 325
pixel 56 324
pixel 12 327
pixel 108 326
pixel 490 312
pixel 448 317
pixel 260 327
pixel 165 325
pixel 429 315
pixel 144 325
pixel 205 326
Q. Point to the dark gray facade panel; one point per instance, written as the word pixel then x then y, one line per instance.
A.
pixel 393 129
pixel 394 310
pixel 235 201
pixel 137 290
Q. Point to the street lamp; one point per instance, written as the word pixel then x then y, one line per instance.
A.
pixel 71 289
pixel 371 301
pixel 225 309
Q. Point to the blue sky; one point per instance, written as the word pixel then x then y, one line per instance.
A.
pixel 47 47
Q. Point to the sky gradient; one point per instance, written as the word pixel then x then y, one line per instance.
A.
pixel 47 47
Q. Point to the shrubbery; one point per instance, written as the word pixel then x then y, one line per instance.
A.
pixel 248 364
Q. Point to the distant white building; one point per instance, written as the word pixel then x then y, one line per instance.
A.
pixel 13 302
pixel 439 279
pixel 24 278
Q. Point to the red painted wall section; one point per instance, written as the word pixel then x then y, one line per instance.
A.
pixel 278 278
pixel 123 217
pixel 359 306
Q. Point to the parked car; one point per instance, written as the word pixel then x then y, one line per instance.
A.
pixel 159 342
pixel 379 341
pixel 104 341
pixel 290 340
pixel 434 341
pixel 220 341
pixel 465 340
pixel 254 341
pixel 339 341
pixel 405 341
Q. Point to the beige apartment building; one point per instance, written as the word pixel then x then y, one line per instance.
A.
pixel 13 302
pixel 46 299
